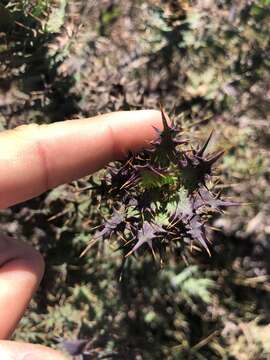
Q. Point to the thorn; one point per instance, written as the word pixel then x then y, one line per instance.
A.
pixel 129 253
pixel 215 228
pixel 185 260
pixel 225 186
pixel 204 146
pixel 96 227
pixel 214 158
pixel 88 247
pixel 123 246
pixel 122 270
pixel 174 222
pixel 164 120
pixel 197 248
pixel 187 158
pixel 204 184
pixel 128 183
pixel 154 254
pixel 208 251
pixel 122 238
pixel 85 188
pixel 157 172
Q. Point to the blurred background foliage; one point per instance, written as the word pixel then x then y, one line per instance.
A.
pixel 208 62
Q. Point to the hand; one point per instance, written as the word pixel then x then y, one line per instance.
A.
pixel 34 159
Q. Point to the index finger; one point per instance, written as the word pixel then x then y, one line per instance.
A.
pixel 35 158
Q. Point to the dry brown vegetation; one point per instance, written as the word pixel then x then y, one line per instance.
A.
pixel 208 62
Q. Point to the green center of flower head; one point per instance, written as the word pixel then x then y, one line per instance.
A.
pixel 159 198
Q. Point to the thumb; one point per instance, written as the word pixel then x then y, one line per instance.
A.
pixel 10 350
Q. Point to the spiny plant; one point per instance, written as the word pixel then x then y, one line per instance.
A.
pixel 160 199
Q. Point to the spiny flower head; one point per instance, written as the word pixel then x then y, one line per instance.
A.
pixel 195 168
pixel 159 198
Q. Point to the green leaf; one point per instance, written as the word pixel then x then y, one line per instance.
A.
pixel 57 18
pixel 264 2
pixel 162 219
pixel 151 180
pixel 180 203
pixel 192 285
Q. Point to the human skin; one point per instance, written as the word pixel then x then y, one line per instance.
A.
pixel 33 159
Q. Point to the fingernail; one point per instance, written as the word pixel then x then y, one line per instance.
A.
pixel 30 356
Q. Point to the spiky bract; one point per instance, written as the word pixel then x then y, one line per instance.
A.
pixel 159 198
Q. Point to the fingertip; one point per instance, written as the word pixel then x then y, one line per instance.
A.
pixel 150 113
pixel 37 264
pixel 37 158
pixel 133 130
pixel 23 351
